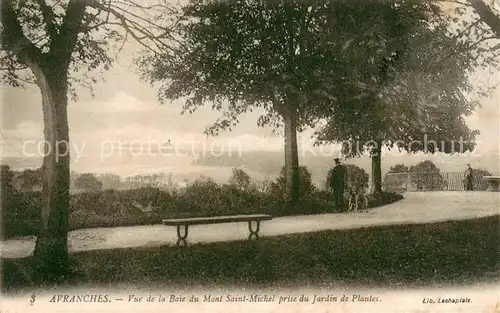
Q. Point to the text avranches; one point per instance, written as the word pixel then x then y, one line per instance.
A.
pixel 79 298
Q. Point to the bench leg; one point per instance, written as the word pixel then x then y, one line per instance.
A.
pixel 253 233
pixel 181 241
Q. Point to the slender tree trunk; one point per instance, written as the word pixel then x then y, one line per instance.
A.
pixel 51 249
pixel 292 180
pixel 376 155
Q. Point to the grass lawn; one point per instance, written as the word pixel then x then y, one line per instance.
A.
pixel 447 253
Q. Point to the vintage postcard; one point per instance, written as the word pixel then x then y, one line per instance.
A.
pixel 250 156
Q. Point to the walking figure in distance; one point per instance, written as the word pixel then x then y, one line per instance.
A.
pixel 338 180
pixel 468 178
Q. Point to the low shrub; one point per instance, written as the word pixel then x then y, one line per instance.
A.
pixel 306 186
pixel 478 181
pixel 110 208
pixel 21 213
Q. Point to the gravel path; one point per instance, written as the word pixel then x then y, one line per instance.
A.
pixel 417 207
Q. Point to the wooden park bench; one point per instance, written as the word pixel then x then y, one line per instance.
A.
pixel 186 222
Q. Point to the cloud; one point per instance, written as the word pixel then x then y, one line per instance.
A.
pixel 14 140
pixel 120 102
pixel 26 130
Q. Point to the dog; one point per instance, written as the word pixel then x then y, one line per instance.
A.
pixel 357 200
pixel 352 201
pixel 361 201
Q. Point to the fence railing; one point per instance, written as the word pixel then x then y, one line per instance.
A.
pixel 432 181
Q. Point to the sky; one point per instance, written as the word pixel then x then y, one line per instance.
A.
pixel 107 131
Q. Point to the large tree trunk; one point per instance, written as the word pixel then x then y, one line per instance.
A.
pixel 376 155
pixel 51 249
pixel 292 180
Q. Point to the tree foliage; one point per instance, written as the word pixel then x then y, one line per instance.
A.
pixel 399 168
pixel 88 182
pixel 7 179
pixel 357 178
pixel 426 176
pixel 478 182
pixel 110 181
pixel 306 185
pixel 420 93
pixel 488 14
pixel 299 61
pixel 31 179
pixel 8 191
pixel 244 54
pixel 240 179
pixel 76 34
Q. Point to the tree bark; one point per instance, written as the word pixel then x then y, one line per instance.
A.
pixel 51 249
pixel 376 155
pixel 292 178
pixel 487 16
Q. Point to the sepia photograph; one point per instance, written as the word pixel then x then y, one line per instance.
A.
pixel 250 156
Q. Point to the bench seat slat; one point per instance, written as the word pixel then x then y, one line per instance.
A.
pixel 216 219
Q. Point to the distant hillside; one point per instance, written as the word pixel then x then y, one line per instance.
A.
pixel 22 163
pixel 219 174
pixel 270 163
pixel 260 165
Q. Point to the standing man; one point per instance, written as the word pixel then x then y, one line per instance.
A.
pixel 338 180
pixel 468 178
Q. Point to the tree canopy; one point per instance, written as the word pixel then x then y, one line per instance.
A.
pixel 88 182
pixel 417 97
pixel 240 179
pixel 300 61
pixel 426 176
pixel 244 54
pixel 75 34
pixel 31 179
pixel 399 168
pixel 422 92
